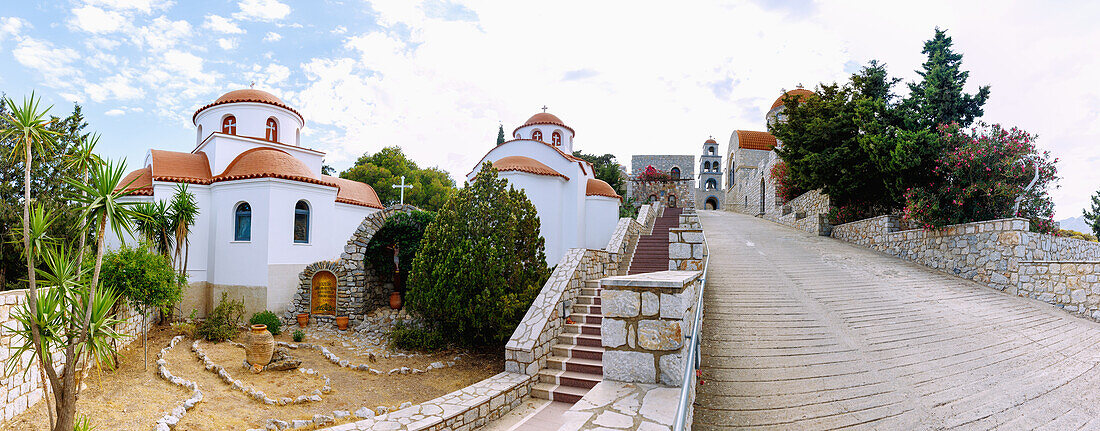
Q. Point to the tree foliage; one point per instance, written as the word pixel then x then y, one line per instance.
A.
pixel 144 278
pixel 403 229
pixel 607 169
pixel 481 262
pixel 1092 215
pixel 500 135
pixel 382 170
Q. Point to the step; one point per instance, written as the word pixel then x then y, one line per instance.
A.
pixel 552 392
pixel 595 284
pixel 590 366
pixel 592 340
pixel 588 308
pixel 591 291
pixel 593 319
pixel 588 299
pixel 577 352
pixel 569 378
pixel 581 328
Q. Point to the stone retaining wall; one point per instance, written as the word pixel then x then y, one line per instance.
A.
pixel 645 319
pixel 1002 254
pixel 808 212
pixel 622 244
pixel 22 388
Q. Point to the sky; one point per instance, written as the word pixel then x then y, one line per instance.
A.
pixel 437 77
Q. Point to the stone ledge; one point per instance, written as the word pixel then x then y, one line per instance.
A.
pixel 660 279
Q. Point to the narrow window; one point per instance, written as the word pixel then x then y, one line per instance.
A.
pixel 537 135
pixel 242 222
pixel 712 184
pixel 272 130
pixel 706 166
pixel 555 138
pixel 675 173
pixel 229 125
pixel 301 222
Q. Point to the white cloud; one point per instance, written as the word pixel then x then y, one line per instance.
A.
pixel 262 10
pixel 145 6
pixel 11 27
pixel 116 87
pixel 114 112
pixel 272 37
pixel 227 44
pixel 95 20
pixel 339 30
pixel 276 73
pixel 221 24
pixel 162 34
pixel 54 64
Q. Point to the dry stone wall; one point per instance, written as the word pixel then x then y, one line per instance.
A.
pixel 808 212
pixel 22 389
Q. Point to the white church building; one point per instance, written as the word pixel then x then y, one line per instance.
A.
pixel 575 209
pixel 265 209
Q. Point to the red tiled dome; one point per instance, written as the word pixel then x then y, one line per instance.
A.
pixel 600 188
pixel 798 92
pixel 710 141
pixel 269 163
pixel 248 95
pixel 139 182
pixel 526 164
pixel 544 118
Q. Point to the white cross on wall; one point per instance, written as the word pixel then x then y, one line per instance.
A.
pixel 403 186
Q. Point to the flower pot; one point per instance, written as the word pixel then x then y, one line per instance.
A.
pixel 342 322
pixel 303 319
pixel 395 300
pixel 261 344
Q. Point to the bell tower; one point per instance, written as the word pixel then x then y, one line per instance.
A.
pixel 710 191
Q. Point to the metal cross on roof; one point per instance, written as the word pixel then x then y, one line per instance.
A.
pixel 544 108
pixel 403 186
pixel 252 84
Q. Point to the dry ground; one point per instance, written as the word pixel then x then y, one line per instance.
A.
pixel 132 398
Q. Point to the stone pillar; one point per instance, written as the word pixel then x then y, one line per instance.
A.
pixel 645 319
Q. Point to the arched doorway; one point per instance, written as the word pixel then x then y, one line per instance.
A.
pixel 672 201
pixel 711 203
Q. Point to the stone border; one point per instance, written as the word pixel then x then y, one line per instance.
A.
pixel 344 363
pixel 169 420
pixel 254 393
pixel 357 287
pixel 465 409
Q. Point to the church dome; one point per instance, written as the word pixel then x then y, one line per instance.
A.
pixel 526 164
pixel 248 95
pixel 710 141
pixel 600 188
pixel 798 92
pixel 269 163
pixel 545 118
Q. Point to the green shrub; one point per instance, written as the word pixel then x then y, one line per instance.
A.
pixel 267 318
pixel 409 338
pixel 146 279
pixel 184 328
pixel 480 264
pixel 224 322
pixel 403 229
pixel 298 336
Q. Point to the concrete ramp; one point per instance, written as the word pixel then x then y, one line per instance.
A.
pixel 803 332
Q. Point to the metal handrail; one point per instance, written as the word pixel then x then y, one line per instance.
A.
pixel 693 348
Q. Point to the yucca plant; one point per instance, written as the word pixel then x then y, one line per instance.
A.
pixel 153 221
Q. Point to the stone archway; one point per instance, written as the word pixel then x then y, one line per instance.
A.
pixel 357 287
pixel 711 203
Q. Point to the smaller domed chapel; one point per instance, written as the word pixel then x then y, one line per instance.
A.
pixel 575 209
pixel 265 209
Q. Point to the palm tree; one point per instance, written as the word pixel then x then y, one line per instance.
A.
pixel 83 158
pixel 153 220
pixel 27 127
pixel 183 212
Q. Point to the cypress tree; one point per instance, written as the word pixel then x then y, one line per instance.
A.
pixel 1093 218
pixel 938 98
pixel 500 135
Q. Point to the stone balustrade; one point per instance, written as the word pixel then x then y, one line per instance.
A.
pixel 622 243
pixel 645 319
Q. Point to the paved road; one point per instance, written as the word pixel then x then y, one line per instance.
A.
pixel 809 333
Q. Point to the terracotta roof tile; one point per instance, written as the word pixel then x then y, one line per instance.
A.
pixel 266 162
pixel 248 95
pixel 799 92
pixel 544 118
pixel 354 192
pixel 179 167
pixel 755 140
pixel 526 164
pixel 600 188
pixel 140 182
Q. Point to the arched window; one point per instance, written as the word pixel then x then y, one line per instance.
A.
pixel 229 125
pixel 555 138
pixel 674 173
pixel 301 222
pixel 712 184
pixel 711 150
pixel 536 135
pixel 706 166
pixel 242 222
pixel 272 133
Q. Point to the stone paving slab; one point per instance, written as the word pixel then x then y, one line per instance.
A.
pixel 812 333
pixel 612 405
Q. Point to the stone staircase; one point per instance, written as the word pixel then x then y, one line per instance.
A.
pixel 651 254
pixel 576 361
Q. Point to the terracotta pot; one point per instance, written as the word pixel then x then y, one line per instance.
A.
pixel 303 319
pixel 395 300
pixel 342 322
pixel 261 344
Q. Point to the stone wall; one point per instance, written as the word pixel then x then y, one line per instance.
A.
pixel 686 246
pixel 359 289
pixel 622 244
pixel 645 319
pixel 647 215
pixel 682 190
pixel 22 388
pixel 808 212
pixel 1002 254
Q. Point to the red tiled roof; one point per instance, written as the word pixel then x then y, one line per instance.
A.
pixel 354 192
pixel 526 164
pixel 266 162
pixel 755 140
pixel 798 92
pixel 544 118
pixel 248 95
pixel 140 182
pixel 600 188
pixel 710 141
pixel 179 167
